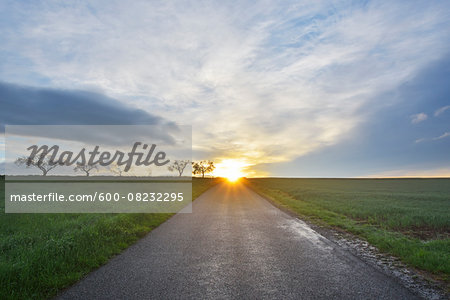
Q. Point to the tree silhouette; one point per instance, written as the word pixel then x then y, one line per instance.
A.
pixel 116 169
pixel 202 167
pixel 45 165
pixel 179 166
pixel 85 168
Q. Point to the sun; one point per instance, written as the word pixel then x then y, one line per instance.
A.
pixel 231 169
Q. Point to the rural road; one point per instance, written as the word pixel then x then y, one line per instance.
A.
pixel 235 244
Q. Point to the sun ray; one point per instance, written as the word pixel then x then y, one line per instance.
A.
pixel 231 169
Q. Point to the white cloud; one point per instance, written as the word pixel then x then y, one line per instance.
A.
pixel 260 81
pixel 417 118
pixel 446 134
pixel 420 140
pixel 441 110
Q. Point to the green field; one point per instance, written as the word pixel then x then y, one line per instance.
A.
pixel 43 253
pixel 409 218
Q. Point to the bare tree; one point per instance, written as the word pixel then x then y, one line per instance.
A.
pixel 179 166
pixel 85 168
pixel 202 167
pixel 116 169
pixel 45 165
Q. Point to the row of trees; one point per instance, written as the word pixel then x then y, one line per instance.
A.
pixel 203 167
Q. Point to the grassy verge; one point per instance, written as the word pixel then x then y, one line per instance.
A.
pixel 408 218
pixel 200 185
pixel 43 253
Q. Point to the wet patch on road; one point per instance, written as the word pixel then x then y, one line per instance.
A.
pixel 418 283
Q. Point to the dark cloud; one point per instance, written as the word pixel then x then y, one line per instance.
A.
pixel 43 106
pixel 22 105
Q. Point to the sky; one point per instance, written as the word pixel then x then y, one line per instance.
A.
pixel 280 88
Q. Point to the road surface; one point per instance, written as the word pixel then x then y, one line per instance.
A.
pixel 235 244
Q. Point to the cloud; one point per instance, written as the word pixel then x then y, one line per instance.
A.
pixel 417 118
pixel 441 110
pixel 24 105
pixel 443 136
pixel 260 81
pixel 409 173
pixel 27 105
pixel 446 134
pixel 420 140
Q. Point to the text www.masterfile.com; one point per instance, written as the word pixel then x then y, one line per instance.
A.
pixel 97 196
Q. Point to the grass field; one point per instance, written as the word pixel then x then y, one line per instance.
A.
pixel 43 253
pixel 409 218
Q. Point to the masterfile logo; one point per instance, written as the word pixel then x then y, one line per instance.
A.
pixel 101 168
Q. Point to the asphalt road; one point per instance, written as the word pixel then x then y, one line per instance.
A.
pixel 235 244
